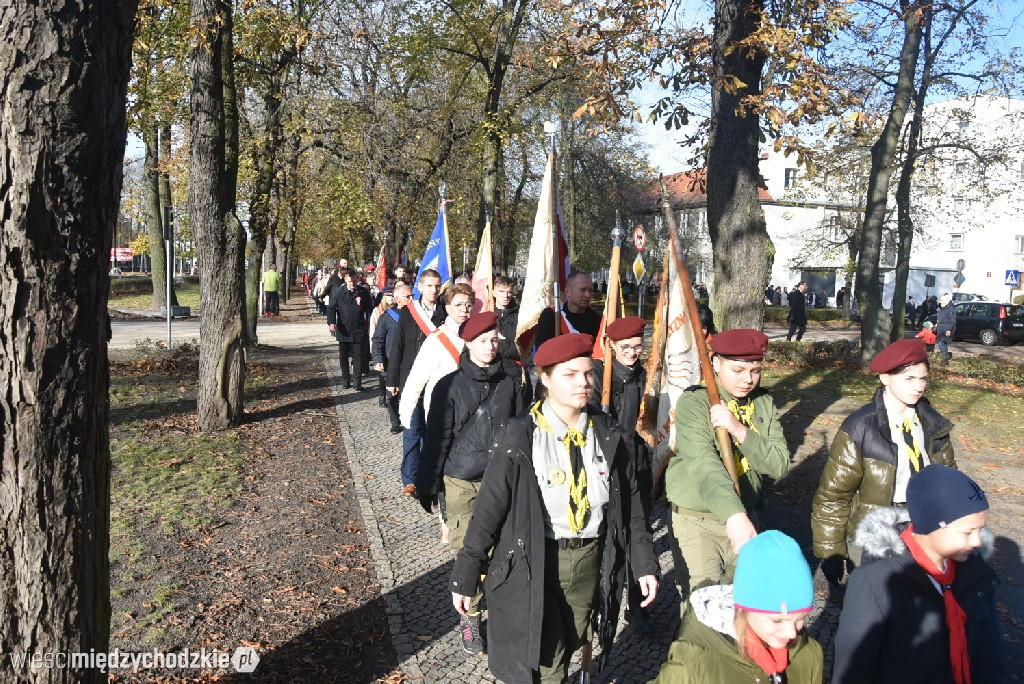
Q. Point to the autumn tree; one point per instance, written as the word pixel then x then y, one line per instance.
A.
pixel 763 63
pixel 62 129
pixel 213 158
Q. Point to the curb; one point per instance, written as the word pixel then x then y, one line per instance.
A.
pixel 401 640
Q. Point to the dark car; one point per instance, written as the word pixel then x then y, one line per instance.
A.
pixel 988 322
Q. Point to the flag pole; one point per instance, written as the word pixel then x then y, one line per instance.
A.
pixel 550 130
pixel 489 304
pixel 441 189
pixel 724 440
pixel 610 312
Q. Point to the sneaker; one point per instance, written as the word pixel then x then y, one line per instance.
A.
pixel 469 628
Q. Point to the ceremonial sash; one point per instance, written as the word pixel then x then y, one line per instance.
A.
pixel 566 325
pixel 425 325
pixel 448 345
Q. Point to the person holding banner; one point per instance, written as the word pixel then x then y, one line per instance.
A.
pixel 711 516
pixel 417 320
pixel 557 513
pixel 575 316
pixel 629 376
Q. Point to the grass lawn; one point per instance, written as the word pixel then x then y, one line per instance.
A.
pixel 188 295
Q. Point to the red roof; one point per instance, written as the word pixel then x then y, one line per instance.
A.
pixel 685 188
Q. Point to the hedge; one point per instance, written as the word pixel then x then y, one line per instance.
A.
pixel 778 314
pixel 141 285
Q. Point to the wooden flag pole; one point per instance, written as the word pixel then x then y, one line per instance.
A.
pixel 610 308
pixel 724 439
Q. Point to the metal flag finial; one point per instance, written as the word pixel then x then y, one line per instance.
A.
pixel 617 231
pixel 441 190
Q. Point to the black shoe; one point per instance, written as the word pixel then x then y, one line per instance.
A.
pixel 469 629
pixel 395 429
pixel 381 401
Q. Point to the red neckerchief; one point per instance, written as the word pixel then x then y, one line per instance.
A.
pixel 771 660
pixel 956 619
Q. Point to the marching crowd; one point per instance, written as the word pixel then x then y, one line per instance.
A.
pixel 545 500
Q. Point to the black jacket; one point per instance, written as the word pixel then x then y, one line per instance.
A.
pixel 508 319
pixel 945 319
pixel 348 310
pixel 893 626
pixel 448 447
pixel 408 339
pixel 797 308
pixel 627 392
pixel 588 322
pixel 508 519
pixel 383 336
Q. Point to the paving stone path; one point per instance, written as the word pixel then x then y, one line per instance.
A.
pixel 413 566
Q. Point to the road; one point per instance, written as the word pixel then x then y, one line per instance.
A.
pixel 1001 352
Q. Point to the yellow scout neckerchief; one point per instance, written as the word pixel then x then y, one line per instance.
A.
pixel 914 450
pixel 745 414
pixel 574 441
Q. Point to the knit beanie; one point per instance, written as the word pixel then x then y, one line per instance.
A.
pixel 772 576
pixel 938 495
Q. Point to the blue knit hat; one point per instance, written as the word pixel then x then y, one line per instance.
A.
pixel 772 576
pixel 938 495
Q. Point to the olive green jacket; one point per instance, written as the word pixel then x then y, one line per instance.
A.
pixel 860 473
pixel 697 479
pixel 702 655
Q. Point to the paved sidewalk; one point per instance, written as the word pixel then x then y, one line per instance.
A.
pixel 413 566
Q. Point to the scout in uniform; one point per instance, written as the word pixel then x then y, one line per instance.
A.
pixel 753 629
pixel 557 513
pixel 629 376
pixel 876 452
pixel 467 408
pixel 710 521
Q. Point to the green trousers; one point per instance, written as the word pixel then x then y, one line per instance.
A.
pixel 459 498
pixel 570 588
pixel 701 551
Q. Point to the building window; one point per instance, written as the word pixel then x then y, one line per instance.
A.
pixel 965 126
pixel 1020 244
pixel 959 205
pixel 961 169
pixel 956 242
pixel 790 181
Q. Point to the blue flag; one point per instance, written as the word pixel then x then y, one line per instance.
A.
pixel 436 256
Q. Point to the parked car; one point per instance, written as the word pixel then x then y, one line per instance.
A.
pixel 989 322
pixel 968 297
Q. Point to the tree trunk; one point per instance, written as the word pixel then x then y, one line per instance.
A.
pixel 254 257
pixel 743 251
pixel 873 326
pixel 62 138
pixel 166 203
pixel 904 220
pixel 211 209
pixel 154 217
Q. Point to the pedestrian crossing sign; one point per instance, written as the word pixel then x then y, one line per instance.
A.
pixel 1012 278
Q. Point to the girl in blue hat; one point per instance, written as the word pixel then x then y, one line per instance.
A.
pixel 753 629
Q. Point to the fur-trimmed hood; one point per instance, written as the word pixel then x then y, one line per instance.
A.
pixel 879 534
pixel 713 607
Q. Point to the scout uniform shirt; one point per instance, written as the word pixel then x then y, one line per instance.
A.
pixel 553 468
pixel 697 480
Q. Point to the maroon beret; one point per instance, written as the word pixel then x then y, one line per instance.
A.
pixel 625 328
pixel 477 324
pixel 743 344
pixel 564 348
pixel 899 354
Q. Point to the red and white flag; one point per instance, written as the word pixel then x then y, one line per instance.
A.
pixel 381 270
pixel 543 269
pixel 483 273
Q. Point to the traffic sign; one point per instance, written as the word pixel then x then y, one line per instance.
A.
pixel 639 238
pixel 1012 278
pixel 960 264
pixel 638 268
pixel 959 279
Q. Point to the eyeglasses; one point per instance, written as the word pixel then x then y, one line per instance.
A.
pixel 636 349
pixel 468 306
